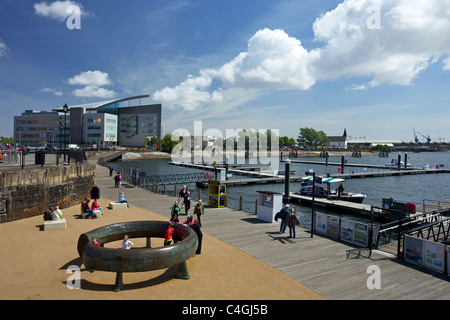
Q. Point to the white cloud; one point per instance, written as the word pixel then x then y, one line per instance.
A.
pixel 273 60
pixel 56 10
pixel 90 78
pixel 93 81
pixel 446 63
pixel 3 48
pixel 385 41
pixel 410 36
pixel 190 94
pixel 54 91
pixel 94 92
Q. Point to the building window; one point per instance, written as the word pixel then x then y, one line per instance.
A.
pixel 132 124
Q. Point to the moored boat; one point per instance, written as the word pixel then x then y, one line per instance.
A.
pixel 306 189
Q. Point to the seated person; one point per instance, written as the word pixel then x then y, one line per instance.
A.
pixel 95 206
pixel 89 211
pixel 57 215
pixel 122 199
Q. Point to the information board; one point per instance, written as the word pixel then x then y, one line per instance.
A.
pixel 448 259
pixel 354 232
pixel 413 250
pixel 434 255
pixel 333 226
pixel 321 223
pixel 327 225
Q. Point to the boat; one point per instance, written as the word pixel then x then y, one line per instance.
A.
pixel 394 163
pixel 306 189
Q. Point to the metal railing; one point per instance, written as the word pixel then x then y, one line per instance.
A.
pixel 14 158
pixel 433 225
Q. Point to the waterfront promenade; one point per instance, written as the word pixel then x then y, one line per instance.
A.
pixel 318 263
pixel 242 258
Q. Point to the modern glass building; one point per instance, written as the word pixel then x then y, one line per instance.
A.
pixel 124 122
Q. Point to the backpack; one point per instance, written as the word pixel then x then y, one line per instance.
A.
pixel 278 215
pixel 47 215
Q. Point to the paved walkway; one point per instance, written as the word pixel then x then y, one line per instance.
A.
pixel 242 259
pixel 34 262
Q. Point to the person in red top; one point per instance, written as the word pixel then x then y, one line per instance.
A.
pixel 168 235
pixel 95 242
pixel 95 206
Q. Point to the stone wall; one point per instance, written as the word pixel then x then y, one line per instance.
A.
pixel 29 192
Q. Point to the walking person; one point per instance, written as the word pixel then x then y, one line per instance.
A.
pixel 292 221
pixel 182 196
pixel 283 215
pixel 199 211
pixel 120 180
pixel 116 180
pixel 187 202
pixel 175 209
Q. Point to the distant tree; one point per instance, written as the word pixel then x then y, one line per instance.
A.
pixel 284 141
pixel 9 140
pixel 167 144
pixel 312 138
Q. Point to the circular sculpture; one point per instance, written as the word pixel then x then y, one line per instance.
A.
pixel 137 259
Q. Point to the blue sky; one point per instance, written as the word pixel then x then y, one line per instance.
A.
pixel 376 67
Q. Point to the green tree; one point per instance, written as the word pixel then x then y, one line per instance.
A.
pixel 312 138
pixel 284 141
pixel 167 144
pixel 9 140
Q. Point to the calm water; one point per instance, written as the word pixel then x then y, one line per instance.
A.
pixel 410 188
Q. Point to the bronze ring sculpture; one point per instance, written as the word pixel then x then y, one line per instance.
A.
pixel 140 259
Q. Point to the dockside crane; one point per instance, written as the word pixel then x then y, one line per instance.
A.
pixel 415 136
pixel 425 137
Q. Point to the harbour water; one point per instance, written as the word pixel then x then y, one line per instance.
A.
pixel 408 188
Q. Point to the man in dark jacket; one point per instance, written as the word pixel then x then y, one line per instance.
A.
pixel 283 215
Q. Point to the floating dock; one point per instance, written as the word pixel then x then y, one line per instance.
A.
pixel 257 176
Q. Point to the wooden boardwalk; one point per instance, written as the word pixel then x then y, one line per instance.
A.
pixel 319 263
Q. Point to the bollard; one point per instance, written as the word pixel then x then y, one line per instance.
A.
pixel 240 203
pixel 287 172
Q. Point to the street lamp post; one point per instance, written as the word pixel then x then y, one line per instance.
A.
pixel 60 136
pixel 65 109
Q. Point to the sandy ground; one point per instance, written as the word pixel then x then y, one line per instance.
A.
pixel 35 267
